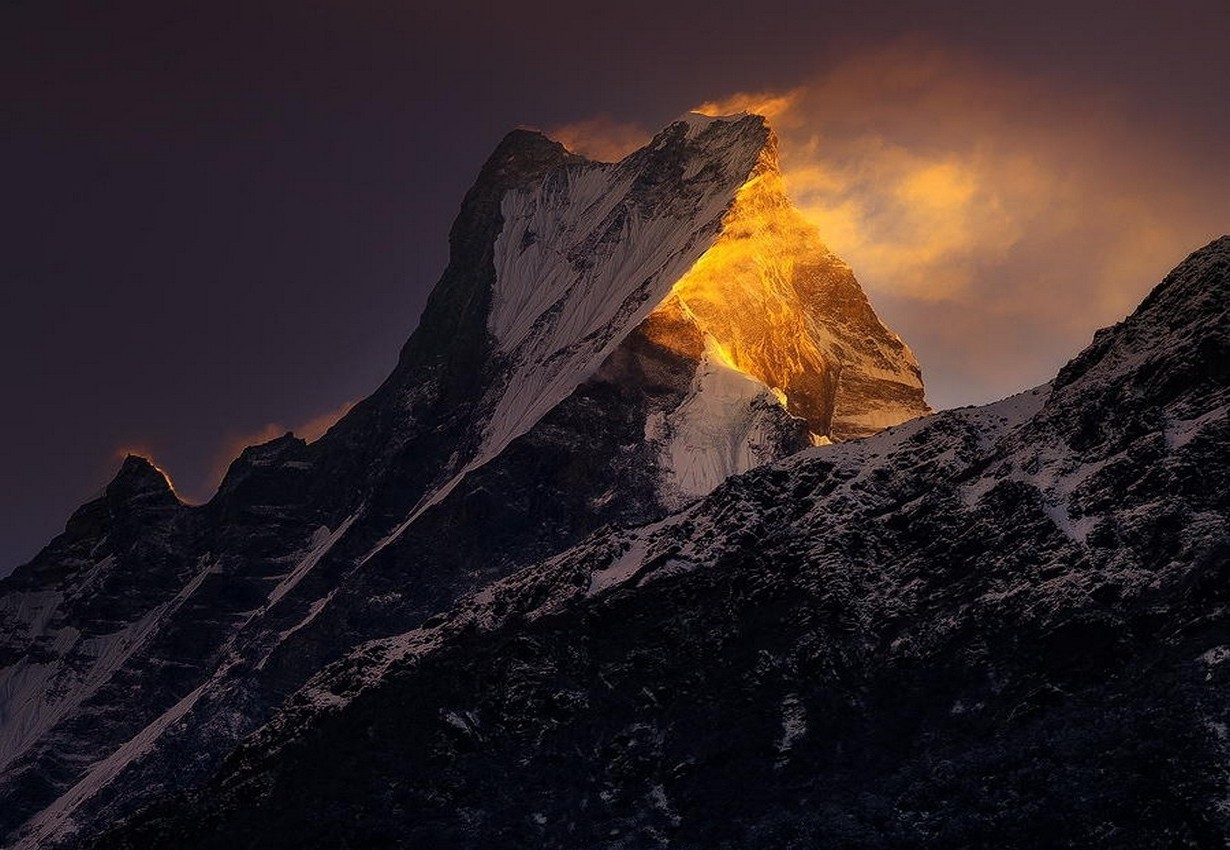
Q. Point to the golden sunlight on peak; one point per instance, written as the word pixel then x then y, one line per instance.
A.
pixel 778 306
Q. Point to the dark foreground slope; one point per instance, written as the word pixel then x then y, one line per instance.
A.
pixel 1001 626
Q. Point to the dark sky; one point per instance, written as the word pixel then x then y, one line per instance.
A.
pixel 222 219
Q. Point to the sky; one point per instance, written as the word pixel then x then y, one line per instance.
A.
pixel 220 220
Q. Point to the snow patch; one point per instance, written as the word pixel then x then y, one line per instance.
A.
pixel 322 541
pixel 1215 656
pixel 56 820
pixel 723 427
pixel 35 696
pixel 794 723
pixel 621 569
pixel 1180 432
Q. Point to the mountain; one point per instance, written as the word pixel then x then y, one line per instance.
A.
pixel 999 626
pixel 608 343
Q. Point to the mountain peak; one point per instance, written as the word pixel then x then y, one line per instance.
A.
pixel 523 151
pixel 274 452
pixel 709 135
pixel 698 122
pixel 1183 322
pixel 1171 353
pixel 1198 285
pixel 697 219
pixel 139 477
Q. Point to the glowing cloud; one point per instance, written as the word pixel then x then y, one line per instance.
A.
pixel 776 107
pixel 311 430
pixel 601 138
pixel 995 220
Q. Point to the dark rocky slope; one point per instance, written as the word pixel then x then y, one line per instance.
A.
pixel 1002 626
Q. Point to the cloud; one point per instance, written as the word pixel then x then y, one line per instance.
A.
pixel 776 106
pixel 602 137
pixel 995 220
pixel 310 429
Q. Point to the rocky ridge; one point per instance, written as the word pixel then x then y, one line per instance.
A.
pixel 996 626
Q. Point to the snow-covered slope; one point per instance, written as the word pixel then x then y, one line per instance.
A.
pixel 587 254
pixel 997 626
pixel 724 426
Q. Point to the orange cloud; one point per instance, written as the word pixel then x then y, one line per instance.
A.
pixel 601 138
pixel 775 106
pixel 924 224
pixel 311 430
pixel 995 220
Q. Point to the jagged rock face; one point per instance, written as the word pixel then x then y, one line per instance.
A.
pixel 781 308
pixel 560 381
pixel 66 617
pixel 995 626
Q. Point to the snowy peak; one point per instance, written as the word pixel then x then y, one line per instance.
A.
pixel 698 220
pixel 139 478
pixel 588 252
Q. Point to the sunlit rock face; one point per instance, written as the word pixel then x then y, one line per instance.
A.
pixel 781 308
pixel 787 351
